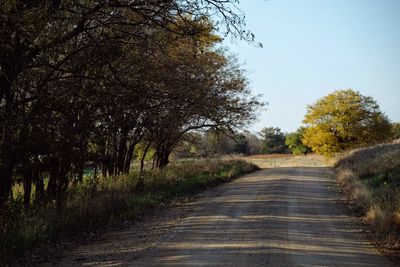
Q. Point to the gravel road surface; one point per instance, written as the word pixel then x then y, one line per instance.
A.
pixel 286 216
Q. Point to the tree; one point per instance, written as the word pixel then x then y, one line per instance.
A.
pixel 343 120
pixel 295 143
pixel 94 79
pixel 273 141
pixel 254 144
pixel 241 145
pixel 396 130
pixel 217 143
pixel 211 92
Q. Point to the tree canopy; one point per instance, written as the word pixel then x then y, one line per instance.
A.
pixel 85 83
pixel 343 120
pixel 396 130
pixel 273 141
pixel 295 143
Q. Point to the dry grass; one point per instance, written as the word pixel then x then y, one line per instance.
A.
pixel 287 160
pixel 101 202
pixel 370 178
pixel 270 156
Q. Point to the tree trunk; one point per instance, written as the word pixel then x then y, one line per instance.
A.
pixel 164 160
pixel 52 185
pixel 6 170
pixel 104 168
pixel 7 150
pixel 113 163
pixel 143 157
pixel 129 156
pixel 27 187
pixel 163 154
pixel 39 186
pixel 140 184
pixel 81 166
pixel 95 171
pixel 121 152
pixel 5 182
pixel 62 184
pixel 103 160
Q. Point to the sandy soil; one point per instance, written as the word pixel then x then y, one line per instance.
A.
pixel 283 216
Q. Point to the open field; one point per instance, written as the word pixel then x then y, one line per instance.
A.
pixel 285 160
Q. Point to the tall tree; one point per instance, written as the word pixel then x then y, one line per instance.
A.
pixel 241 145
pixel 273 141
pixel 396 130
pixel 90 80
pixel 343 120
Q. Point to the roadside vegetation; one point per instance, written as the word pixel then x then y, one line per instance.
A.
pixel 370 177
pixel 94 83
pixel 100 202
pixel 91 93
pixel 350 128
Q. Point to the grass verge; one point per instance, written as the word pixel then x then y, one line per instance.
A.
pixel 370 178
pixel 97 203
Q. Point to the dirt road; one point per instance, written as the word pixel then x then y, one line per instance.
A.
pixel 287 216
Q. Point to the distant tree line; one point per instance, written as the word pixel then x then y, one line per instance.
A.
pixel 214 143
pixel 88 81
pixel 269 140
pixel 338 122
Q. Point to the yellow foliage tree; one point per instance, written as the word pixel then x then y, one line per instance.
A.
pixel 343 120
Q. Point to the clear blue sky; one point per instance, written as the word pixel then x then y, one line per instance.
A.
pixel 314 47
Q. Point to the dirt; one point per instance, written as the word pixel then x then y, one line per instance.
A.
pixel 284 216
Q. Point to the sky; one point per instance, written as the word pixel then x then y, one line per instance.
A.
pixel 312 48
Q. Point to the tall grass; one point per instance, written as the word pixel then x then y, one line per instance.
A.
pixel 371 179
pixel 96 203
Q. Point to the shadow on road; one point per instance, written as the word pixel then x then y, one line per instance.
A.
pixel 286 216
